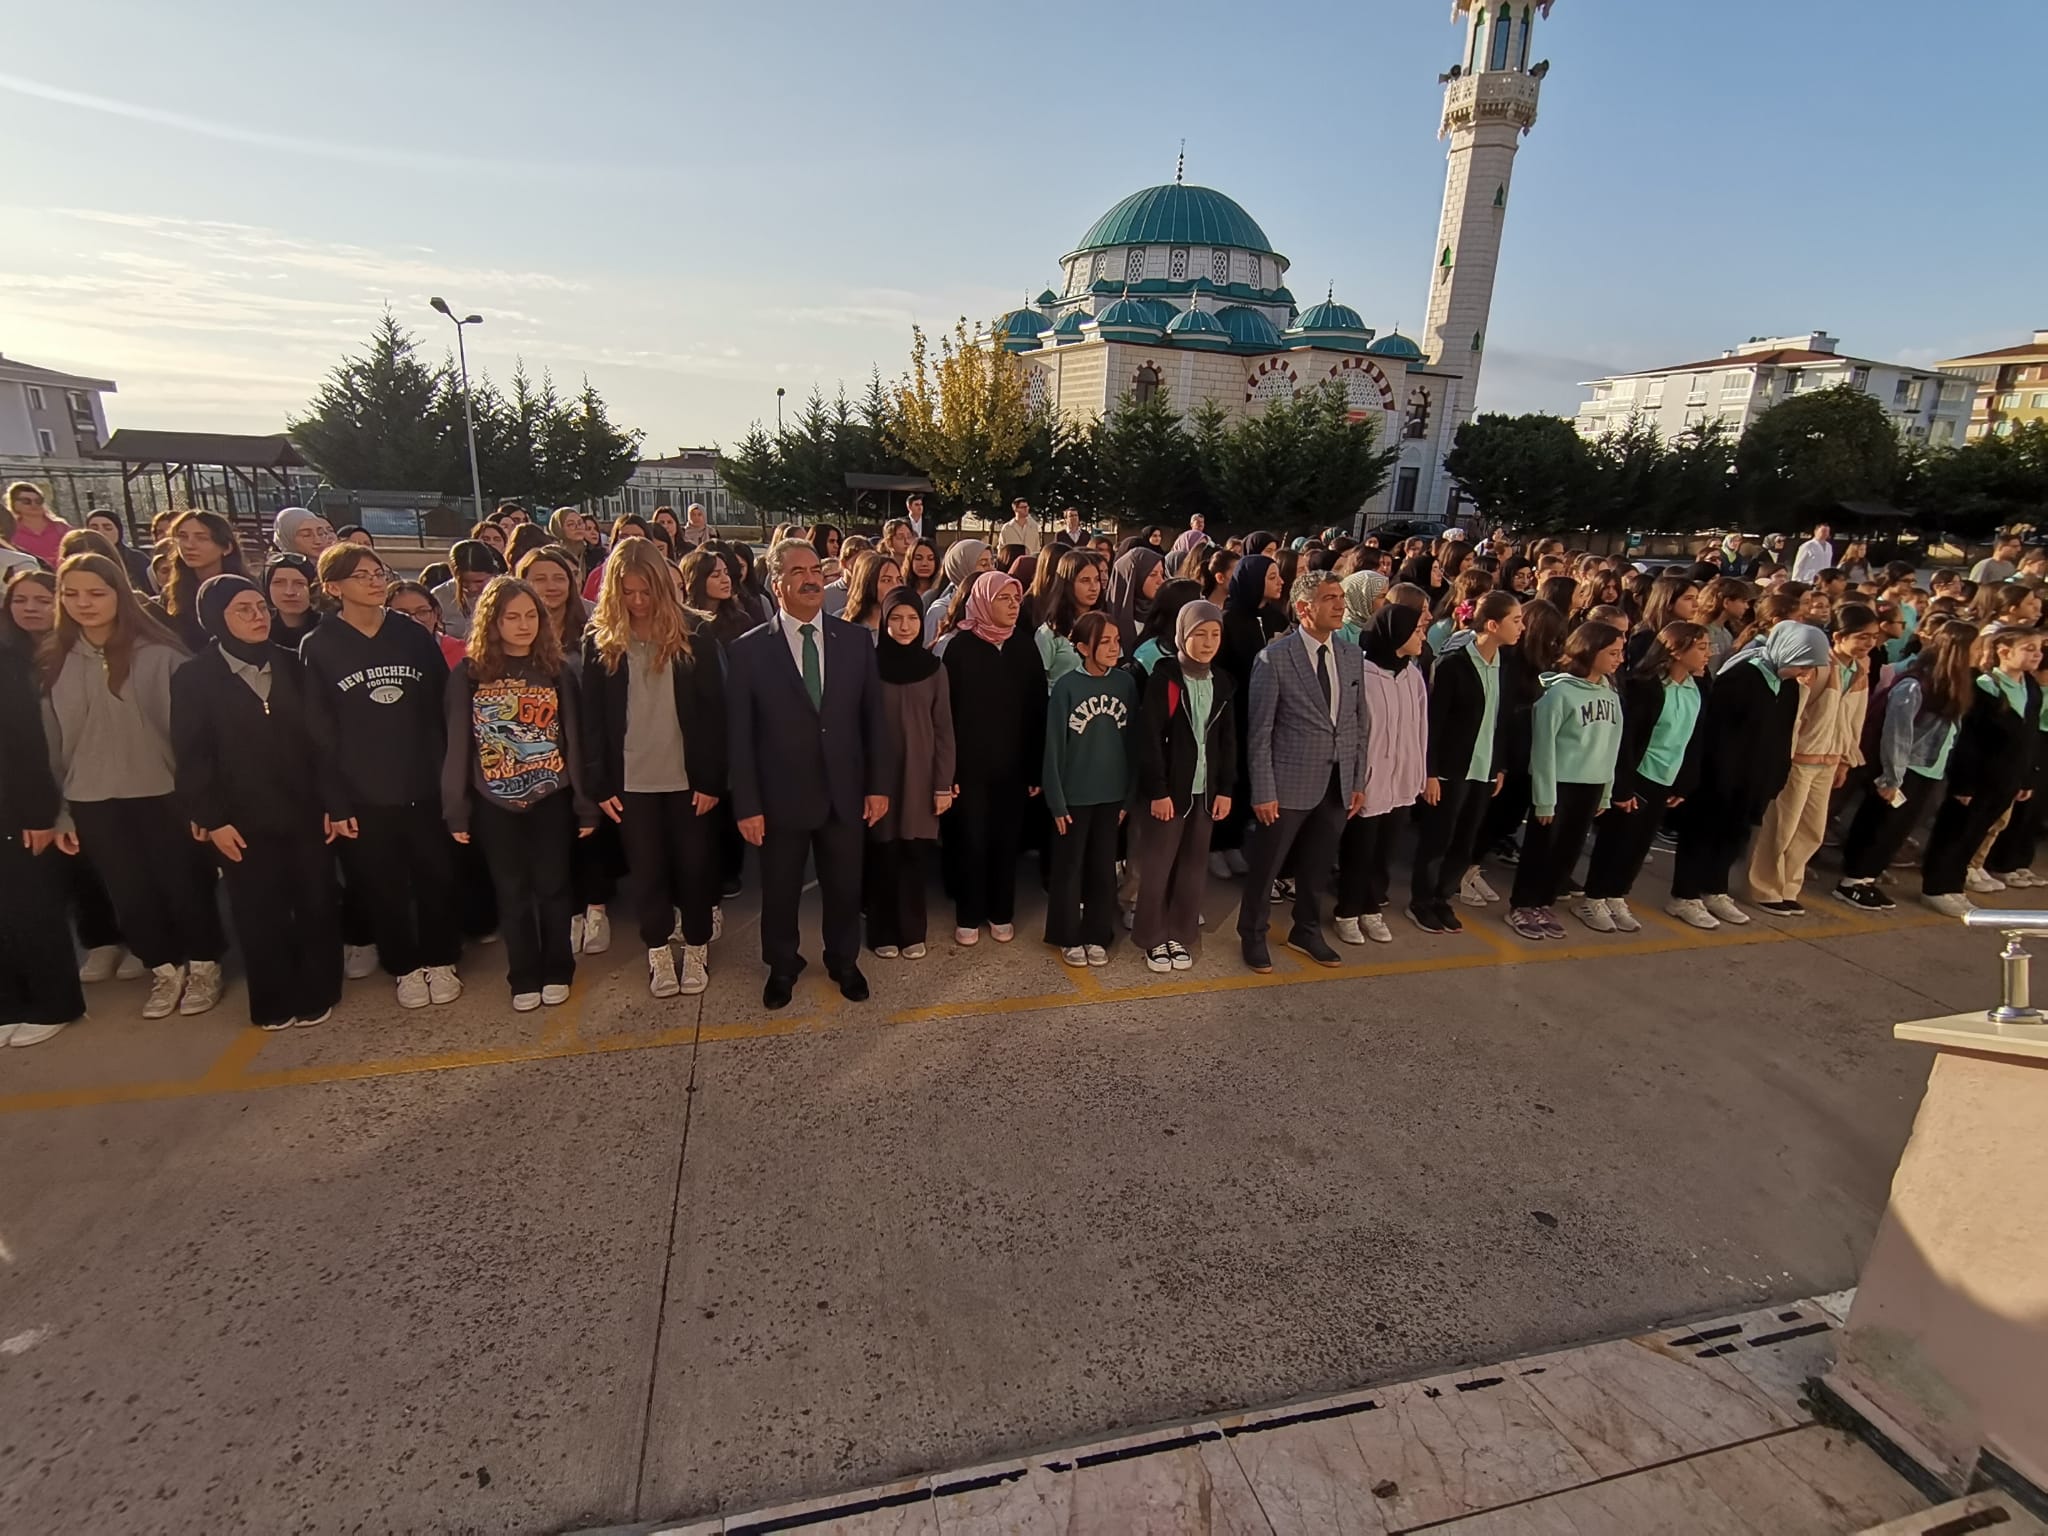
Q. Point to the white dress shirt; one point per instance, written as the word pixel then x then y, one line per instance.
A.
pixel 1315 648
pixel 790 627
pixel 1814 556
pixel 1025 533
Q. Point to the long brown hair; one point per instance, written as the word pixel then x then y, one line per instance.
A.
pixel 181 592
pixel 613 627
pixel 1586 642
pixel 1543 632
pixel 574 614
pixel 1771 610
pixel 1946 678
pixel 865 588
pixel 1671 642
pixel 487 659
pixel 1718 594
pixel 133 625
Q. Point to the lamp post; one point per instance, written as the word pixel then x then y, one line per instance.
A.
pixel 476 484
pixel 778 410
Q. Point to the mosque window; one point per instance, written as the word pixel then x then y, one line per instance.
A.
pixel 1528 27
pixel 1219 267
pixel 1443 266
pixel 1503 24
pixel 1177 264
pixel 1144 383
pixel 1101 266
pixel 1252 267
pixel 1134 267
pixel 1479 341
pixel 1478 37
pixel 1500 195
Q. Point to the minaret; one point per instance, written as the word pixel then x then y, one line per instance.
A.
pixel 1489 103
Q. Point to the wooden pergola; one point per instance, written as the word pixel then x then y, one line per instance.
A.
pixel 205 461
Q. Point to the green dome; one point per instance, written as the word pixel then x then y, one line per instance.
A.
pixel 1020 323
pixel 1047 299
pixel 1129 315
pixel 1195 322
pixel 1394 344
pixel 1330 316
pixel 1248 327
pixel 1071 322
pixel 1176 215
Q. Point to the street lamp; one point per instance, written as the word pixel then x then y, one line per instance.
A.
pixel 778 409
pixel 476 484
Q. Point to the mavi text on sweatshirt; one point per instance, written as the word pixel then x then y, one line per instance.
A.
pixel 1577 735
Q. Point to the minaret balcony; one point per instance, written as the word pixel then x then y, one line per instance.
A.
pixel 1491 96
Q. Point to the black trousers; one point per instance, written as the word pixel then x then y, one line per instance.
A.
pixel 893 891
pixel 402 864
pixel 1711 837
pixel 1311 836
pixel 985 831
pixel 1958 830
pixel 358 925
pixel 160 879
pixel 1081 906
pixel 595 864
pixel 1621 844
pixel 529 854
pixel 1549 851
pixel 836 849
pixel 1363 857
pixel 2020 840
pixel 286 908
pixel 1504 813
pixel 1878 831
pixel 475 895
pixel 1446 835
pixel 38 971
pixel 671 865
pixel 91 907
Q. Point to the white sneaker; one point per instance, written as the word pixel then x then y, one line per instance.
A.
pixel 717 924
pixel 443 985
pixel 1002 933
pixel 661 972
pixel 1693 912
pixel 1239 865
pixel 1182 960
pixel 163 991
pixel 1097 955
pixel 597 931
pixel 131 967
pixel 1219 866
pixel 412 990
pixel 1376 928
pixel 202 987
pixel 1473 890
pixel 358 960
pixel 1159 958
pixel 1594 914
pixel 1954 904
pixel 525 1002
pixel 30 1034
pixel 913 951
pixel 576 934
pixel 319 1018
pixel 1723 906
pixel 1076 955
pixel 886 951
pixel 554 994
pixel 966 937
pixel 1624 920
pixel 1982 881
pixel 101 961
pixel 696 968
pixel 2022 879
pixel 7 1033
pixel 1348 930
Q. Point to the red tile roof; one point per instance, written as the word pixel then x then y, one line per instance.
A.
pixel 2028 350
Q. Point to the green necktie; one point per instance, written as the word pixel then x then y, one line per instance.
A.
pixel 814 675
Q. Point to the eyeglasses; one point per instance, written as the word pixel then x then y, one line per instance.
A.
pixel 366 573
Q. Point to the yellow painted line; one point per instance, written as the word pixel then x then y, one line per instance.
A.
pixel 230 1072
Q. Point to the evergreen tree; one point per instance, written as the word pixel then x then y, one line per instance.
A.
pixel 379 421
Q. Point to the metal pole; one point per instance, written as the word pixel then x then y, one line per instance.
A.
pixel 476 484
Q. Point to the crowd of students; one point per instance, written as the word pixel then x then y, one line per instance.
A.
pixel 371 770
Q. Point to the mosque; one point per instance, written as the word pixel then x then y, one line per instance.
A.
pixel 1178 289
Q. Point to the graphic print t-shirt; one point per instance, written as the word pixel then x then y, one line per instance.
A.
pixel 517 725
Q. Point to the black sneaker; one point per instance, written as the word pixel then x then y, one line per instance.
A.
pixel 1283 890
pixel 1427 918
pixel 1508 853
pixel 1782 908
pixel 1311 943
pixel 1865 896
pixel 1447 918
pixel 1664 842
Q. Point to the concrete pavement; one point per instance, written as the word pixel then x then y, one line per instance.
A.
pixel 466 1270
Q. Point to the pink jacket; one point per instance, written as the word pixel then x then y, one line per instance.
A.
pixel 1397 738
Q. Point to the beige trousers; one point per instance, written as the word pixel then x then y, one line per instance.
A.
pixel 1792 831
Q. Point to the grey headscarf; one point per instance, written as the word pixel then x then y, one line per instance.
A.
pixel 960 560
pixel 1184 623
pixel 1790 644
pixel 1362 589
pixel 289 521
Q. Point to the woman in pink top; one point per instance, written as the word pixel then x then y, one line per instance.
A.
pixel 1397 704
pixel 37 531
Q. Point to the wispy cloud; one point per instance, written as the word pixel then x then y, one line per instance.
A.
pixel 297 144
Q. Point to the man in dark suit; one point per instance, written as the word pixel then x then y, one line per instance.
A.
pixel 810 764
pixel 1306 746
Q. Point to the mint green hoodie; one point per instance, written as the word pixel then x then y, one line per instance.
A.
pixel 1577 726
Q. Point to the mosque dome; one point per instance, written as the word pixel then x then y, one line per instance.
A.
pixel 1176 215
pixel 1047 299
pixel 1020 328
pixel 1199 329
pixel 1069 326
pixel 1131 315
pixel 1394 344
pixel 1248 327
pixel 1330 316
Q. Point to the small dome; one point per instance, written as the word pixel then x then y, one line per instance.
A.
pixel 1020 328
pixel 1130 315
pixel 1248 327
pixel 1070 323
pixel 1331 316
pixel 1394 344
pixel 1196 322
pixel 1047 299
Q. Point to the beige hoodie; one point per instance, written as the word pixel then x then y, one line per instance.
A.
pixel 1830 728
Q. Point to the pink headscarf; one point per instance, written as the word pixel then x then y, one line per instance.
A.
pixel 978 619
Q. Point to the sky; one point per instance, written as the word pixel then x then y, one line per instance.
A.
pixel 696 204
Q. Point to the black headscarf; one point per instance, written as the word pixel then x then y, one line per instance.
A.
pixel 1258 541
pixel 1127 603
pixel 899 663
pixel 214 596
pixel 278 628
pixel 1386 632
pixel 1247 590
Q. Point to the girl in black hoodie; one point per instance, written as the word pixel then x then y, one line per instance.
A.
pixel 39 991
pixel 244 764
pixel 1990 765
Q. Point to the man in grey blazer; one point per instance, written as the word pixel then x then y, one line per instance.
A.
pixel 1306 734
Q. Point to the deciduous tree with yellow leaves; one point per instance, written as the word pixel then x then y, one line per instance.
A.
pixel 965 417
